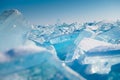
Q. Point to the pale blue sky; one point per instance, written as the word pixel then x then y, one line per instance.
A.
pixel 48 11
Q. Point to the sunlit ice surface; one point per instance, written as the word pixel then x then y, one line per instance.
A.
pixel 88 51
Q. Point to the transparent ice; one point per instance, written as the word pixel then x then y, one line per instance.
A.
pixel 13 29
pixel 61 51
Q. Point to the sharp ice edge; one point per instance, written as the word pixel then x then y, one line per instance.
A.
pixel 91 43
pixel 43 34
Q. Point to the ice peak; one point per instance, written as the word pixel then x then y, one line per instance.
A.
pixel 8 13
pixel 12 11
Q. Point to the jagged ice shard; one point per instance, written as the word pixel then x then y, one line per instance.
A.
pixel 23 58
pixel 13 29
pixel 61 51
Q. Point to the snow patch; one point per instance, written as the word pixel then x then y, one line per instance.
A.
pixel 87 44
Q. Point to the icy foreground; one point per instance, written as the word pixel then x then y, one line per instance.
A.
pixel 58 52
pixel 34 63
